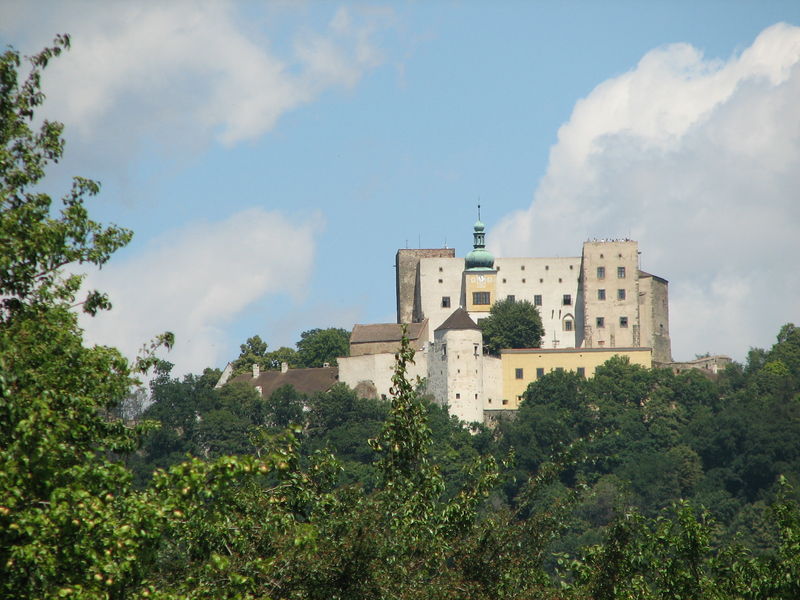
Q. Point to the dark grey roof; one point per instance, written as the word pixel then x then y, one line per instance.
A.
pixel 384 332
pixel 645 274
pixel 305 381
pixel 458 320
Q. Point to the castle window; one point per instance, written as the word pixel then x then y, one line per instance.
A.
pixel 601 294
pixel 623 321
pixel 601 272
pixel 600 322
pixel 458 396
pixel 523 280
pixel 541 281
pixel 539 372
pixel 518 373
pixel 537 300
pixel 511 297
pixel 620 272
pixel 444 350
pixel 559 280
pixel 476 396
pixel 547 267
pixel 581 372
pixel 621 294
pixel 570 267
pixel 445 301
pixel 522 267
pixel 480 298
pixel 475 349
pixel 440 269
pixel 440 281
pixel 567 324
pixel 504 279
pixel 567 300
pixel 601 255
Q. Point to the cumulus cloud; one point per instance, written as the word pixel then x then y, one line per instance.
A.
pixel 699 160
pixel 195 281
pixel 185 72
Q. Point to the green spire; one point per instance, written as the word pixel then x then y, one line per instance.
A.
pixel 479 259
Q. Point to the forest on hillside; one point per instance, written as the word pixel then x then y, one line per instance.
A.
pixel 629 437
pixel 635 484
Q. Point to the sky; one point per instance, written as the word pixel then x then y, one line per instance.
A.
pixel 271 157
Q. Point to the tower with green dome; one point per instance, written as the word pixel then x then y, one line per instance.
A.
pixel 480 276
pixel 479 258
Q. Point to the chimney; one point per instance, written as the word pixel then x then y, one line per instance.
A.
pixel 256 370
pixel 284 367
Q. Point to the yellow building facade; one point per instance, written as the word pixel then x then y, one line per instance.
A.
pixel 522 366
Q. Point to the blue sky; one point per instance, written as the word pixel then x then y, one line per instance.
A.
pixel 272 157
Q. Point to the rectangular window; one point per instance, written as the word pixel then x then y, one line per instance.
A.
pixel 480 298
pixel 444 350
pixel 537 300
pixel 621 294
pixel 445 301
pixel 567 300
pixel 601 294
pixel 581 372
pixel 600 322
pixel 518 373
pixel 620 272
pixel 601 272
pixel 458 396
pixel 539 373
pixel 511 298
pixel 475 348
pixel 623 321
pixel 567 324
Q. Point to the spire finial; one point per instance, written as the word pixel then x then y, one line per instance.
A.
pixel 479 209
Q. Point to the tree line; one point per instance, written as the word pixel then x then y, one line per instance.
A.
pixel 634 484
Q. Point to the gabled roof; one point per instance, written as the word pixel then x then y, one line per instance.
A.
pixel 385 332
pixel 460 319
pixel 305 381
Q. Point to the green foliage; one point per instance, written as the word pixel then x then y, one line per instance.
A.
pixel 259 511
pixel 319 346
pixel 512 324
pixel 69 521
pixel 35 245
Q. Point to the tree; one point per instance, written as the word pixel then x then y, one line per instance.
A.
pixel 253 351
pixel 319 346
pixel 512 324
pixel 66 509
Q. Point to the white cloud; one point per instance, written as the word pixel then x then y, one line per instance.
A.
pixel 700 161
pixel 184 72
pixel 195 281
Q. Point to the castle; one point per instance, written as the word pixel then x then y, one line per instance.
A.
pixel 593 306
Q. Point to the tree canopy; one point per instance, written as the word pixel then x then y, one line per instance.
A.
pixel 512 324
pixel 247 500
